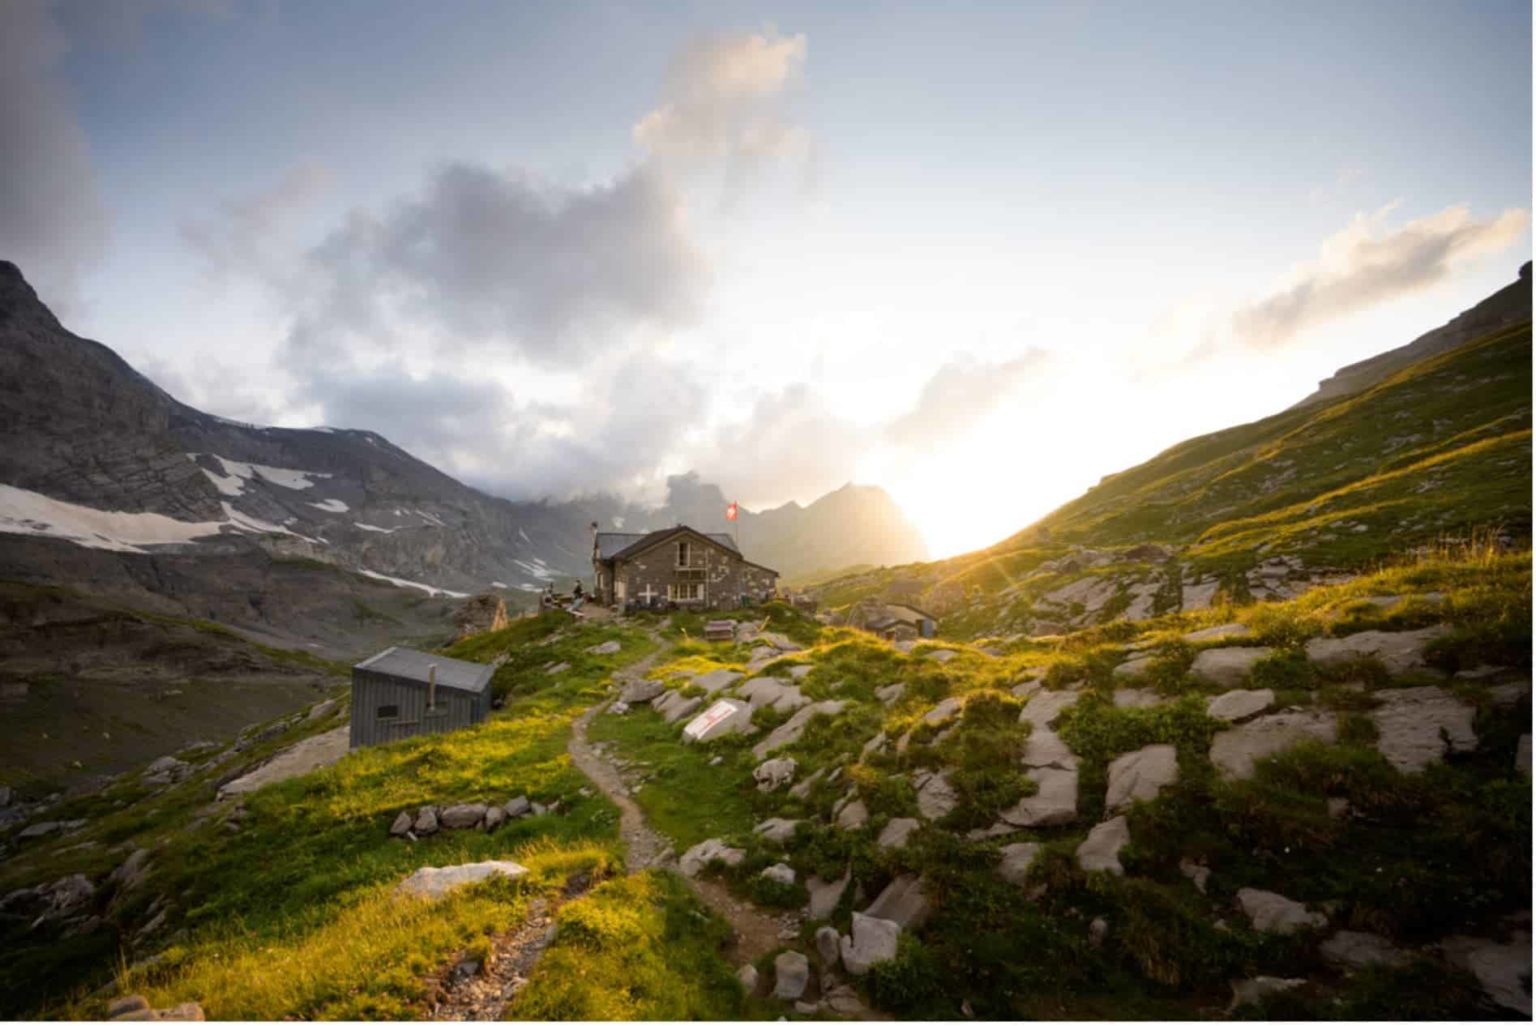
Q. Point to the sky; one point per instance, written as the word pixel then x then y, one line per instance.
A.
pixel 979 254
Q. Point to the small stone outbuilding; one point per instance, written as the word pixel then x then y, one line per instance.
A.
pixel 401 692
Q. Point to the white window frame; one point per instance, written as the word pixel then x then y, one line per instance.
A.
pixel 685 591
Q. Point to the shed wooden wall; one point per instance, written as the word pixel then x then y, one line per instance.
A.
pixel 370 690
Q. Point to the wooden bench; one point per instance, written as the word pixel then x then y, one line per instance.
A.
pixel 720 630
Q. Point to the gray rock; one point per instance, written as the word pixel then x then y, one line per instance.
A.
pixel 1197 873
pixel 891 693
pixel 495 815
pixel 843 1000
pixel 747 974
pixel 1359 950
pixel 435 882
pixel 788 732
pixel 638 692
pixel 1026 690
pixel 1135 698
pixel 1054 801
pixel 791 973
pixel 825 895
pixel 802 790
pixel 772 693
pixel 1198 595
pixel 779 873
pixel 1045 747
pixel 942 655
pixel 426 822
pixel 674 705
pixel 872 941
pixel 1239 704
pixel 1098 930
pixel 1100 851
pixel 517 807
pixel 132 871
pixel 1133 668
pixel 827 946
pixel 1503 970
pixel 321 710
pixel 1045 708
pixel 122 1007
pixel 896 833
pixel 851 814
pixel 777 831
pixel 1338 808
pixel 1235 751
pixel 1251 992
pixel 774 773
pixel 702 854
pixel 1398 651
pixel 606 648
pixel 1227 667
pixel 903 902
pixel 1415 726
pixel 1274 913
pixel 936 798
pixel 1017 858
pixel 1224 632
pixel 722 719
pixel 946 709
pixel 802 671
pixel 874 745
pixel 1141 775
pixel 68 893
pixel 463 817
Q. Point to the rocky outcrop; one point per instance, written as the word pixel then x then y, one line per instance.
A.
pixel 698 857
pixel 1417 726
pixel 870 942
pixel 1269 912
pixel 1141 775
pixel 1100 851
pixel 1227 667
pixel 1397 651
pixel 434 882
pixel 1235 751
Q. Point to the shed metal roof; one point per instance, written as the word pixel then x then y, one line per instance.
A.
pixel 409 664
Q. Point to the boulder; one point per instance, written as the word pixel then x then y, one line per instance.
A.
pixel 702 854
pixel 637 692
pixel 1197 874
pixel 891 693
pixel 1198 595
pixel 777 831
pixel 903 902
pixel 132 871
pixel 774 773
pixel 1251 992
pixel 1141 775
pixel 779 873
pixel 1397 651
pixel 1100 851
pixel 1054 801
pixel 463 817
pixel 1269 912
pixel 824 895
pixel 772 693
pixel 1133 668
pixel 725 717
pixel 802 790
pixel 896 833
pixel 517 807
pixel 1224 632
pixel 426 822
pixel 1352 950
pixel 1235 751
pixel 606 648
pixel 1046 707
pixel 788 732
pixel 434 882
pixel 871 942
pixel 1416 726
pixel 68 894
pixel 674 705
pixel 1046 748
pixel 827 946
pixel 1227 667
pixel 946 709
pixel 801 671
pixel 936 798
pixel 495 815
pixel 1503 970
pixel 851 814
pixel 1239 704
pixel 844 1001
pixel 1135 698
pixel 747 974
pixel 1017 858
pixel 941 655
pixel 791 973
pixel 874 745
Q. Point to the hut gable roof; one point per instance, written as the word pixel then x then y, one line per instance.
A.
pixel 409 664
pixel 613 545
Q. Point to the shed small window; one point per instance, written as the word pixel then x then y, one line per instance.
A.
pixel 389 712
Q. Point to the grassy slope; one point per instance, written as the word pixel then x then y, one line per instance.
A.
pixel 1419 858
pixel 1441 448
pixel 291 915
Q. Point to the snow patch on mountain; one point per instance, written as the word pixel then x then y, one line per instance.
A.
pixel 401 582
pixel 28 512
pixel 331 506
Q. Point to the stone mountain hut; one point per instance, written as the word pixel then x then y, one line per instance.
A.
pixel 400 693
pixel 678 566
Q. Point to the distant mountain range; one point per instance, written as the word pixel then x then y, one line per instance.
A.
pixel 99 457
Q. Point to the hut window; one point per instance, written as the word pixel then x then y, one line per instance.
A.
pixel 682 553
pixel 388 712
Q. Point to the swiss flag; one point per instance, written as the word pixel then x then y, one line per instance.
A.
pixel 730 512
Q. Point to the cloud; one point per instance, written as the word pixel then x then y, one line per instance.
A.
pixel 239 236
pixel 52 220
pixel 959 395
pixel 1364 265
pixel 722 107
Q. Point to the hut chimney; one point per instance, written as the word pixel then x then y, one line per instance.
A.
pixel 431 687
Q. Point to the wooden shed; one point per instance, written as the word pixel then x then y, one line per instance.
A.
pixel 401 692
